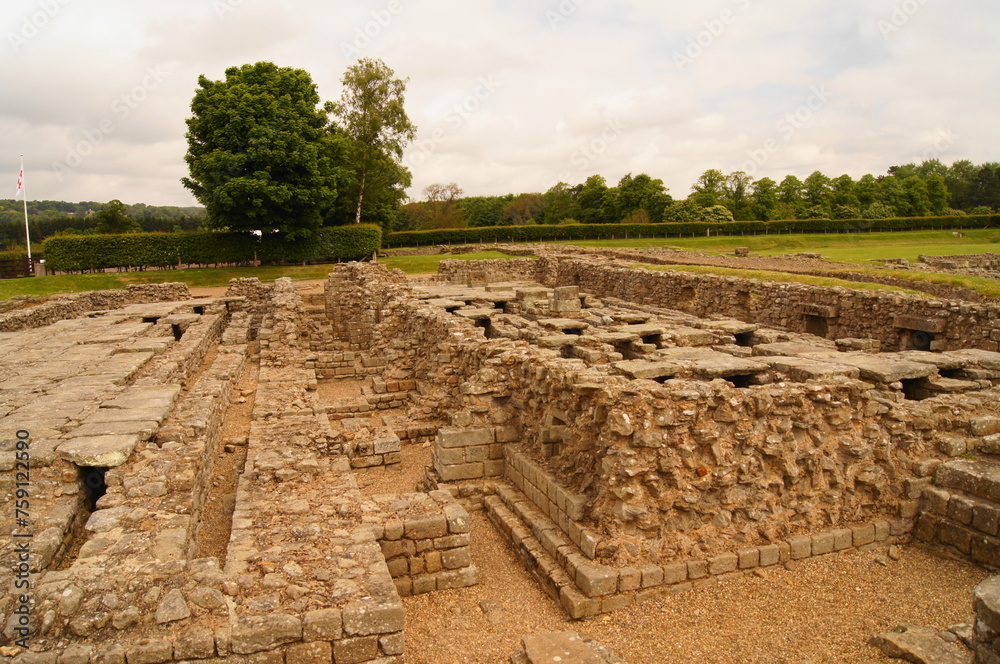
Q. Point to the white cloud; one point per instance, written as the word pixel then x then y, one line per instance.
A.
pixel 512 95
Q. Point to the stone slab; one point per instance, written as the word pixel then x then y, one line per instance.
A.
pixel 802 369
pixel 978 478
pixel 563 324
pixel 143 428
pixel 920 645
pixel 880 369
pixel 645 369
pixel 790 349
pixel 99 451
pixel 147 413
pixel 476 314
pixel 562 647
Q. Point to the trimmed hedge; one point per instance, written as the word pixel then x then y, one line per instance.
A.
pixel 489 234
pixel 141 250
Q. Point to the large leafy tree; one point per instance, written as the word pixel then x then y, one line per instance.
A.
pixel 708 189
pixel 259 153
pixel 592 197
pixel 641 193
pixel 736 193
pixel 371 114
pixel 765 198
pixel 113 218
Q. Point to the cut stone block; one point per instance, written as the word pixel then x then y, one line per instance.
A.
pixel 99 451
pixel 645 369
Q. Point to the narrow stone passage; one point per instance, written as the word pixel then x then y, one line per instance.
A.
pixel 217 513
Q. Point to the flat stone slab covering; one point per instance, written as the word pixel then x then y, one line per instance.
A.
pixel 919 644
pixel 99 451
pixel 644 369
pixel 886 370
pixel 563 648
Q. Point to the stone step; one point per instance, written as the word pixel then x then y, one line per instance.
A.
pixel 977 477
pixel 961 513
pixel 545 567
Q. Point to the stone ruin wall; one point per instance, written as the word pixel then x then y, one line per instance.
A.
pixel 62 307
pixel 988 262
pixel 613 489
pixel 137 592
pixel 684 468
pixel 893 319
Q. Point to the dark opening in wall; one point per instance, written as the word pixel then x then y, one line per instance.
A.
pixel 740 381
pixel 150 319
pixel 178 332
pixel 654 340
pixel 567 352
pixel 574 331
pixel 199 310
pixel 913 389
pixel 486 325
pixel 452 310
pixel 744 339
pixel 816 325
pixel 915 340
pixel 93 484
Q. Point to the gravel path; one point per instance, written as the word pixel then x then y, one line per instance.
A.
pixel 822 612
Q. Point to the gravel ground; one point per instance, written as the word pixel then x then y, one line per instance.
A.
pixel 217 514
pixel 822 612
pixel 373 481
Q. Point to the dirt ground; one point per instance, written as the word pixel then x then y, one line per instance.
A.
pixel 820 611
pixel 825 611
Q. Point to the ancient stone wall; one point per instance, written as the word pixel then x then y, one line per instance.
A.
pixel 987 628
pixel 898 321
pixel 683 467
pixel 356 296
pixel 63 307
pixel 986 261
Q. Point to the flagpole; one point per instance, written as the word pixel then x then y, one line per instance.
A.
pixel 24 195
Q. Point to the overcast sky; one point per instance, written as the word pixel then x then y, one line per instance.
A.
pixel 514 95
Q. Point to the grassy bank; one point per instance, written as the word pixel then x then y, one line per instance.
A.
pixel 211 277
pixel 847 247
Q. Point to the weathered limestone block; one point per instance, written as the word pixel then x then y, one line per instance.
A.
pixel 918 644
pixel 99 451
pixel 257 633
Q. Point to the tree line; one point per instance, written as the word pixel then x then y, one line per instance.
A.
pixel 928 189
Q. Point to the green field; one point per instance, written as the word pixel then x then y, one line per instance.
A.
pixel 207 277
pixel 429 264
pixel 848 247
pixel 852 248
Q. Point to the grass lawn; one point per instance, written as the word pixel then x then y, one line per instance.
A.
pixel 207 277
pixel 848 247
